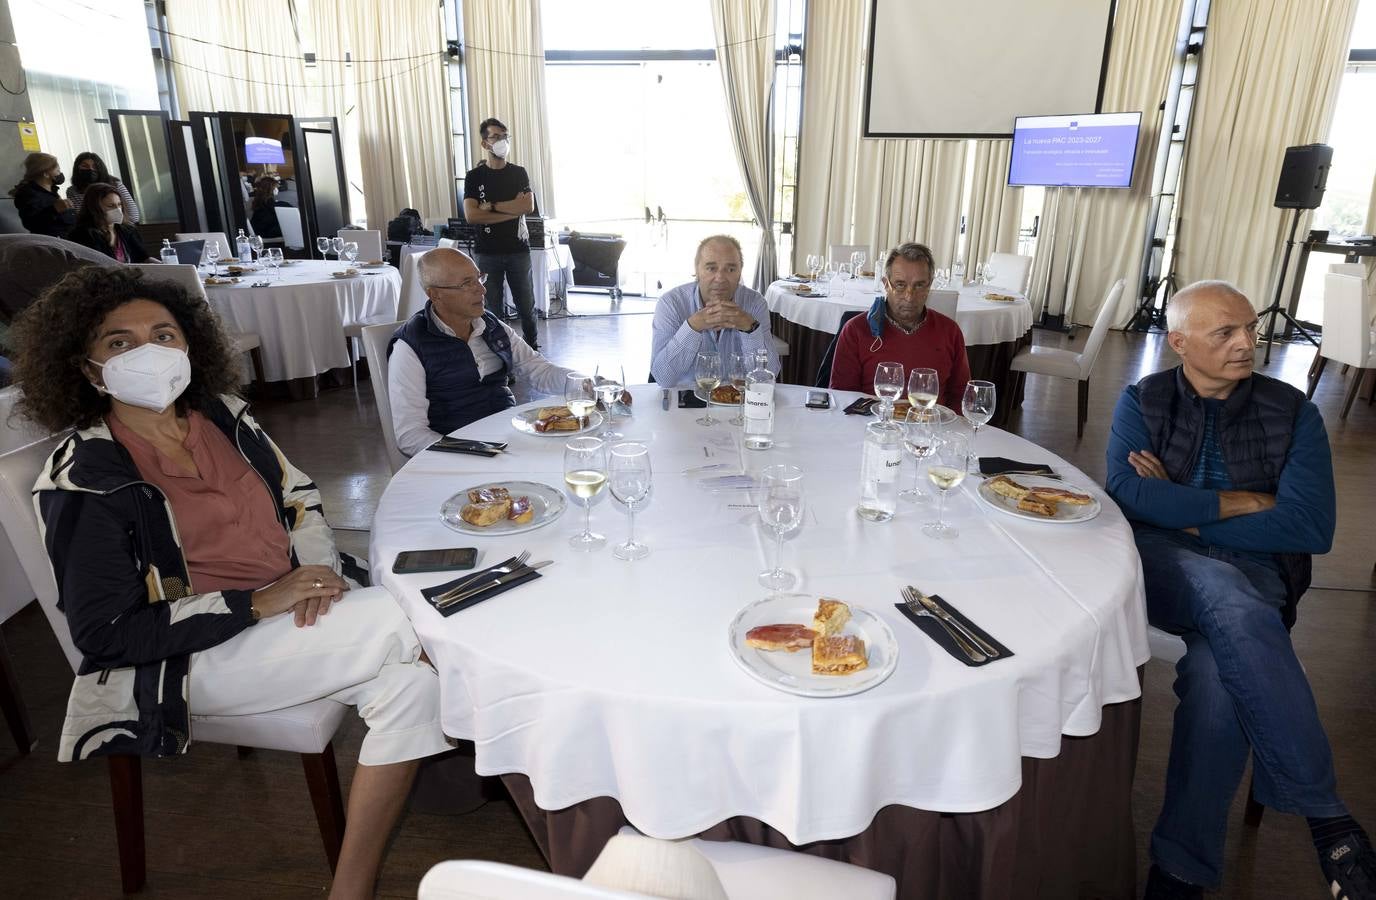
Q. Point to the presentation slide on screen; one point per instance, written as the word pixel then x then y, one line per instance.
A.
pixel 1074 151
pixel 263 150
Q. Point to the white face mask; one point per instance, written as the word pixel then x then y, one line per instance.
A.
pixel 152 376
pixel 114 216
pixel 501 148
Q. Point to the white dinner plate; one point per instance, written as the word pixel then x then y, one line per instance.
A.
pixel 343 273
pixel 792 672
pixel 1065 512
pixel 546 502
pixel 525 421
pixel 371 265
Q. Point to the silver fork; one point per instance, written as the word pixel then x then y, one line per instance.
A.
pixel 936 609
pixel 916 608
pixel 499 570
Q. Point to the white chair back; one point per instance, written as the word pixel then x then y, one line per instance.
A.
pixel 186 276
pixel 944 302
pixel 289 220
pixel 1346 321
pixel 412 294
pixel 1010 271
pixel 375 340
pixel 15 432
pixel 1095 342
pixel 840 253
pixel 466 879
pixel 18 471
pixel 447 242
pixel 218 237
pixel 369 243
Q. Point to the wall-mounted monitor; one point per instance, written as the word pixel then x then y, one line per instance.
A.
pixel 1074 151
pixel 263 150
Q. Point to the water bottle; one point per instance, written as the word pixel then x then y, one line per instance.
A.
pixel 244 248
pixel 167 254
pixel 759 404
pixel 883 456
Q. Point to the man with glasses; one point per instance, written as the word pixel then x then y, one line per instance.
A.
pixel 496 198
pixel 448 365
pixel 900 328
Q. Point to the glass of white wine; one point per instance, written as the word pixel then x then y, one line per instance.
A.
pixel 946 470
pixel 781 509
pixel 707 374
pixel 585 475
pixel 888 383
pixel 978 408
pixel 923 388
pixel 579 396
pixel 630 476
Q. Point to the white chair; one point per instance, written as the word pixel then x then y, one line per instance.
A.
pixel 1068 364
pixel 468 879
pixel 187 276
pixel 779 344
pixel 369 243
pixel 944 302
pixel 840 253
pixel 447 242
pixel 289 221
pixel 1010 271
pixel 412 294
pixel 307 729
pixel 216 237
pixel 1347 311
pixel 375 340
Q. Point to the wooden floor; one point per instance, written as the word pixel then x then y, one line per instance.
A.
pixel 219 826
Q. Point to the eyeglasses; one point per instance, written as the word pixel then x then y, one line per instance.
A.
pixel 466 285
pixel 901 287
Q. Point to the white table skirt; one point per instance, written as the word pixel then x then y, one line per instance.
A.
pixel 301 317
pixel 608 678
pixel 981 321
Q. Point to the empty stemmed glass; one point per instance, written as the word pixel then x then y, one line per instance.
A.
pixel 857 262
pixel 608 394
pixel 255 244
pixel 350 251
pixel 989 273
pixel 579 396
pixel 946 470
pixel 628 471
pixel 212 256
pixel 979 273
pixel 585 475
pixel 707 374
pixel 337 248
pixel 323 245
pixel 921 430
pixel 274 255
pixel 978 408
pixel 781 509
pixel 736 369
pixel 814 265
pixel 888 384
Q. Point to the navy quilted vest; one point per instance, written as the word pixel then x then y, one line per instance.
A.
pixel 456 394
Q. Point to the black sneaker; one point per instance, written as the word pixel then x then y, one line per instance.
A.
pixel 1162 886
pixel 1349 866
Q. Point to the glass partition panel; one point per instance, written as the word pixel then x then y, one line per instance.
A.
pixel 145 157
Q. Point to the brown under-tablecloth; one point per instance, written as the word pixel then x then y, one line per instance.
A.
pixel 807 346
pixel 1067 833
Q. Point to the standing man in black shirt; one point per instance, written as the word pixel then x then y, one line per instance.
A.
pixel 496 195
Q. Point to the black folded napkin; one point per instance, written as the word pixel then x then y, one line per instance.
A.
pixel 463 445
pixel 432 592
pixel 861 406
pixel 934 630
pixel 999 465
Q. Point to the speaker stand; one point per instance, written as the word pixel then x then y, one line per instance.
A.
pixel 1276 309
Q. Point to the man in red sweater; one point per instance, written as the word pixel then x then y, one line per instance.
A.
pixel 900 328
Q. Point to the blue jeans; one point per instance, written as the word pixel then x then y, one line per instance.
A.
pixel 1241 688
pixel 512 269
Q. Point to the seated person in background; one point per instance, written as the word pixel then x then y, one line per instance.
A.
pixel 714 312
pixel 900 328
pixel 265 202
pixel 100 226
pixel 1227 480
pixel 193 562
pixel 448 364
pixel 88 169
pixel 40 208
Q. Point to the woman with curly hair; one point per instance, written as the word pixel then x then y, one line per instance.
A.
pixel 193 561
pixel 101 226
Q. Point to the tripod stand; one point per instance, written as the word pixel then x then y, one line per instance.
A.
pixel 1275 309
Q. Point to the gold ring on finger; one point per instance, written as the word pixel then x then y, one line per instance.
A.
pixel 317 584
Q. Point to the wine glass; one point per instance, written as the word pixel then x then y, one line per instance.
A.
pixel 255 244
pixel 628 471
pixel 979 273
pixel 736 369
pixel 989 273
pixel 781 508
pixel 829 269
pixel 275 261
pixel 978 407
pixel 350 251
pixel 707 374
pixel 212 256
pixel 923 388
pixel 579 395
pixel 888 382
pixel 323 245
pixel 337 247
pixel 608 393
pixel 946 470
pixel 921 430
pixel 857 262
pixel 814 265
pixel 585 475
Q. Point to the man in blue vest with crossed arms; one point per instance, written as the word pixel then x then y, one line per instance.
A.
pixel 1227 479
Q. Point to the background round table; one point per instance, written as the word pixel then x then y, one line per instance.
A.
pixel 611 682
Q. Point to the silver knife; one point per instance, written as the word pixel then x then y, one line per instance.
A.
pixel 941 613
pixel 488 585
pixel 664 402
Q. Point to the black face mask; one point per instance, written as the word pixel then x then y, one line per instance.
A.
pixel 83 178
pixel 58 179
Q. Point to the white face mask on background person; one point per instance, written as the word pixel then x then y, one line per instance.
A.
pixel 501 148
pixel 151 376
pixel 114 216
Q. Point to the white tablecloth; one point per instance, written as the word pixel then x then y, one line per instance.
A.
pixel 608 678
pixel 542 262
pixel 301 316
pixel 981 321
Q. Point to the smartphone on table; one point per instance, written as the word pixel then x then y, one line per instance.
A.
pixel 411 561
pixel 818 400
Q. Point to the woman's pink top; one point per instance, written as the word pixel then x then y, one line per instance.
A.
pixel 225 517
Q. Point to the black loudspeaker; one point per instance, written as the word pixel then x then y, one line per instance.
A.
pixel 1304 176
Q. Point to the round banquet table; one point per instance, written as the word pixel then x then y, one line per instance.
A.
pixel 605 691
pixel 300 316
pixel 993 330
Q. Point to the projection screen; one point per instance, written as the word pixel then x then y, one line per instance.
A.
pixel 966 68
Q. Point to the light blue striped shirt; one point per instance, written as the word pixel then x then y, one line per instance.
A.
pixel 676 344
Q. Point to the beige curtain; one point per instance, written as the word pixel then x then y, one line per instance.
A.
pixel 744 32
pixel 909 190
pixel 995 208
pixel 504 57
pixel 268 73
pixel 1108 225
pixel 1269 80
